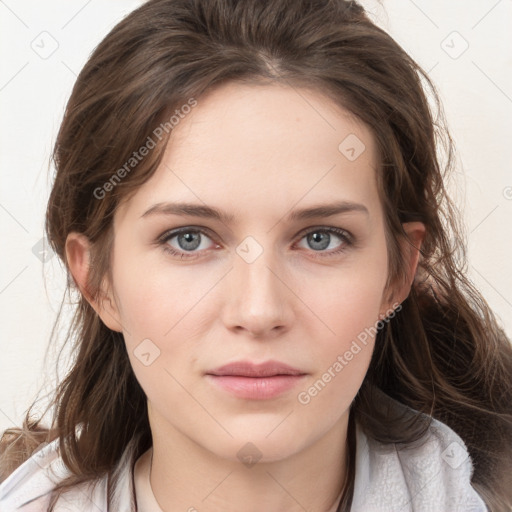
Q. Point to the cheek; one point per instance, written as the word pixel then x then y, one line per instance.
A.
pixel 348 305
pixel 164 312
pixel 345 349
pixel 341 358
pixel 154 299
pixel 348 301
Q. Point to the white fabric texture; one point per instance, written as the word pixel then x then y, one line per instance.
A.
pixel 432 477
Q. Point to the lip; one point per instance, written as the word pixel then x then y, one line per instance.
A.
pixel 248 380
pixel 249 369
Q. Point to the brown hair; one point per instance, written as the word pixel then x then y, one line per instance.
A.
pixel 443 355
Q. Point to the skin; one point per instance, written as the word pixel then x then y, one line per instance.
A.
pixel 256 152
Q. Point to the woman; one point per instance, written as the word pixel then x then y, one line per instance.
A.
pixel 272 312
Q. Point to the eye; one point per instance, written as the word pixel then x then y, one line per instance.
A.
pixel 189 242
pixel 322 238
pixel 184 241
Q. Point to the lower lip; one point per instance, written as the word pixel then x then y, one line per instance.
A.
pixel 256 388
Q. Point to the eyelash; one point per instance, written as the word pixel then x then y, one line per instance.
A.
pixel 345 236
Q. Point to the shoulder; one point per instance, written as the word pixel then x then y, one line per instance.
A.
pixel 430 475
pixel 29 487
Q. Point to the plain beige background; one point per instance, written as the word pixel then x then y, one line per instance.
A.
pixel 466 45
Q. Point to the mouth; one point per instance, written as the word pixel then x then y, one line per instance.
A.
pixel 252 381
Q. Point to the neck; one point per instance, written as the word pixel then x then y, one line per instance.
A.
pixel 185 476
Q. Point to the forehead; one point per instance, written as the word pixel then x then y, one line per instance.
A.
pixel 264 145
pixel 288 120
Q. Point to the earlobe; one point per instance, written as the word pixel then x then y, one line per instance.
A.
pixel 78 257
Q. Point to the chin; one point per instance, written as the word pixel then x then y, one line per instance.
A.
pixel 253 443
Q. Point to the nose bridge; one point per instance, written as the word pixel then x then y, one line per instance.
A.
pixel 255 280
pixel 260 301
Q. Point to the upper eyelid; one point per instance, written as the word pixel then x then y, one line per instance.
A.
pixel 176 231
pixel 171 233
pixel 331 229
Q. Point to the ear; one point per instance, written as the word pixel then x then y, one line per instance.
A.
pixel 410 248
pixel 78 255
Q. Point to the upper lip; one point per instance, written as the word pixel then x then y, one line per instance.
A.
pixel 249 369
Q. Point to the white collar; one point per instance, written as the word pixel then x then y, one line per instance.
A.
pixel 430 476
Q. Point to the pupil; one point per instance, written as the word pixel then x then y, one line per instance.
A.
pixel 317 238
pixel 188 241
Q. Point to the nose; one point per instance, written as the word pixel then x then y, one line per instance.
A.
pixel 259 302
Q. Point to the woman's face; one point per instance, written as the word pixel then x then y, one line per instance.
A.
pixel 290 271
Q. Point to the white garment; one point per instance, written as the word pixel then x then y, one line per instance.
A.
pixel 433 477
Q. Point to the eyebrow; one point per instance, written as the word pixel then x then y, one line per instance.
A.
pixel 208 212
